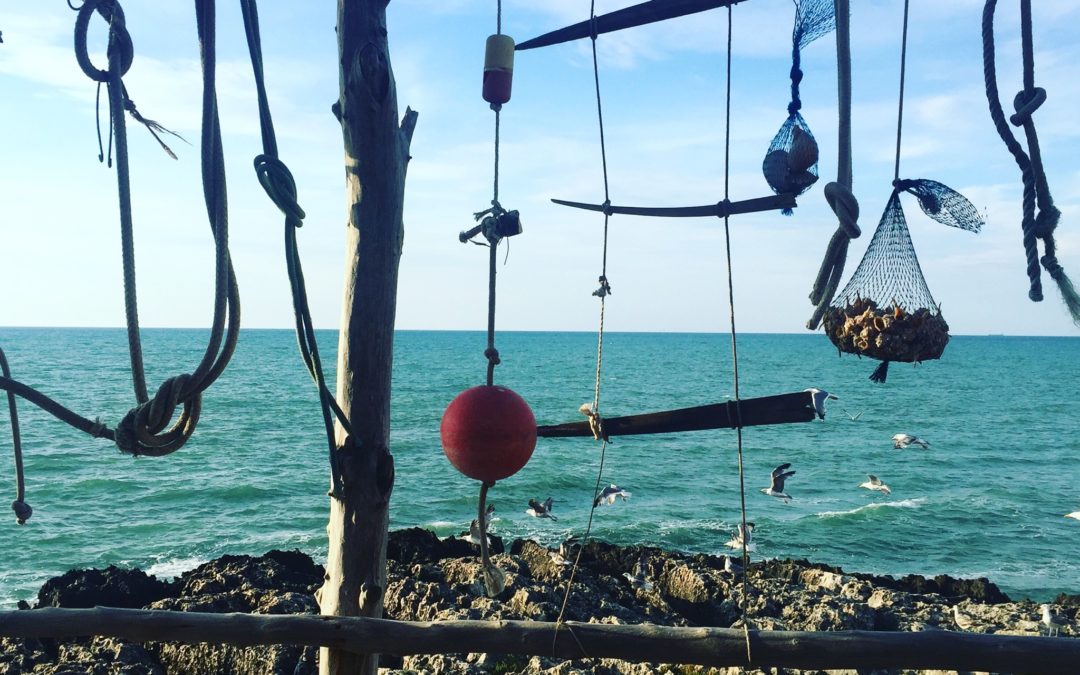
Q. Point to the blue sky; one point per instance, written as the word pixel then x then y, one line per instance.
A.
pixel 662 90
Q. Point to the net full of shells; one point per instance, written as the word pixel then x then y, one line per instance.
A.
pixel 889 333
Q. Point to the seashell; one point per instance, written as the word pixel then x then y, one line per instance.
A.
pixel 803 153
pixel 775 168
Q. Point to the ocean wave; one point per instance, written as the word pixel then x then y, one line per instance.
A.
pixel 173 567
pixel 902 504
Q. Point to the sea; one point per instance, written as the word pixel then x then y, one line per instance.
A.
pixel 987 498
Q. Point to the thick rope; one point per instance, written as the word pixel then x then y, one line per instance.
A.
pixel 838 194
pixel 19 506
pixel 900 105
pixel 1036 192
pixel 280 186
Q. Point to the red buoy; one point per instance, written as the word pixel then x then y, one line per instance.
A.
pixel 488 433
pixel 498 69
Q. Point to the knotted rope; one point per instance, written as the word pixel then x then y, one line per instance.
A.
pixel 19 506
pixel 1041 224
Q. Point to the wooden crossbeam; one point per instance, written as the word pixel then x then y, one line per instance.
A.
pixel 719 209
pixel 779 409
pixel 628 17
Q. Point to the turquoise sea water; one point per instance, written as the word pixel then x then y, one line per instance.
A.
pixel 987 499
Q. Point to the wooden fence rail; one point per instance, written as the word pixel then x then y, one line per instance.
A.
pixel 643 643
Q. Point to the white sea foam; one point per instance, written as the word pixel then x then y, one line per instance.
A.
pixel 170 569
pixel 902 504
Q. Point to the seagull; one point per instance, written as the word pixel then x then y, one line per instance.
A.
pixel 1050 621
pixel 1074 514
pixel 874 483
pixel 474 534
pixel 731 566
pixel 557 558
pixel 819 397
pixel 639 577
pixel 901 441
pixel 779 475
pixel 609 494
pixel 488 515
pixel 538 510
pixel 569 547
pixel 962 621
pixel 741 537
pixel 855 417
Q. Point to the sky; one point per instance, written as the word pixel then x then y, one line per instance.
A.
pixel 662 92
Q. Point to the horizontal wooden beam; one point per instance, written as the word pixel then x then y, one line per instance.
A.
pixel 938 649
pixel 779 409
pixel 717 210
pixel 628 17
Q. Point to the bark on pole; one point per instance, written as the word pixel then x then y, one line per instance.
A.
pixel 376 157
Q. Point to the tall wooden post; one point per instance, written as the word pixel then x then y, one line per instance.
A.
pixel 376 157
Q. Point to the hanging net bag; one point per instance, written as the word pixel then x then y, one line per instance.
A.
pixel 790 165
pixel 886 310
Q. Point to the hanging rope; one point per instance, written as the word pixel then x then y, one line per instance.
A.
pixel 19 506
pixel 142 431
pixel 604 290
pixel 280 186
pixel 1041 224
pixel 734 345
pixel 838 194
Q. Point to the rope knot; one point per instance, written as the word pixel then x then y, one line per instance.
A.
pixel 596 423
pixel 120 45
pixel 22 511
pixel 492 355
pixel 1046 222
pixel 280 186
pixel 605 288
pixel 1053 267
pixel 140 431
pixel 903 184
pixel 843 203
pixel 1025 103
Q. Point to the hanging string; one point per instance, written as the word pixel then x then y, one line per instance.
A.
pixel 900 106
pixel 1036 193
pixel 734 343
pixel 602 292
pixel 19 506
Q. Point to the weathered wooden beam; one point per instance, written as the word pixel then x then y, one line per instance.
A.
pixel 718 210
pixel 940 649
pixel 628 17
pixel 779 409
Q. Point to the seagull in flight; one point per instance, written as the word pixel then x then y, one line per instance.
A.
pixel 1074 514
pixel 488 515
pixel 776 488
pixel 474 534
pixel 609 494
pixel 540 510
pixel 855 417
pixel 819 397
pixel 742 537
pixel 901 441
pixel 874 483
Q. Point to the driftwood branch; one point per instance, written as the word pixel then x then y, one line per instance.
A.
pixel 642 643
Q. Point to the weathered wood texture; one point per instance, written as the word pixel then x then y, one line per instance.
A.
pixel 779 409
pixel 943 650
pixel 376 157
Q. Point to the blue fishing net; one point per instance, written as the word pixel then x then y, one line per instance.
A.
pixel 790 165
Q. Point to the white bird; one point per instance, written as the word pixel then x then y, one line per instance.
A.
pixel 963 621
pixel 901 441
pixel 473 537
pixel 1050 621
pixel 855 417
pixel 1074 514
pixel 558 558
pixel 540 510
pixel 776 488
pixel 731 566
pixel 488 515
pixel 609 494
pixel 874 483
pixel 639 578
pixel 819 397
pixel 741 537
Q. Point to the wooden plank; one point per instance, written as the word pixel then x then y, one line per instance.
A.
pixel 779 409
pixel 628 17
pixel 718 210
pixel 718 647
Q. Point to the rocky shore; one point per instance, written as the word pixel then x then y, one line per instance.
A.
pixel 432 579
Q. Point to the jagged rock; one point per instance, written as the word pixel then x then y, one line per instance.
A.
pixel 111 587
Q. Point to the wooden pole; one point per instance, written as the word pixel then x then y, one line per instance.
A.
pixel 718 647
pixel 376 157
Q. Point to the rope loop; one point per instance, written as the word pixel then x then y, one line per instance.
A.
pixel 140 431
pixel 1026 103
pixel 843 203
pixel 22 511
pixel 119 38
pixel 280 186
